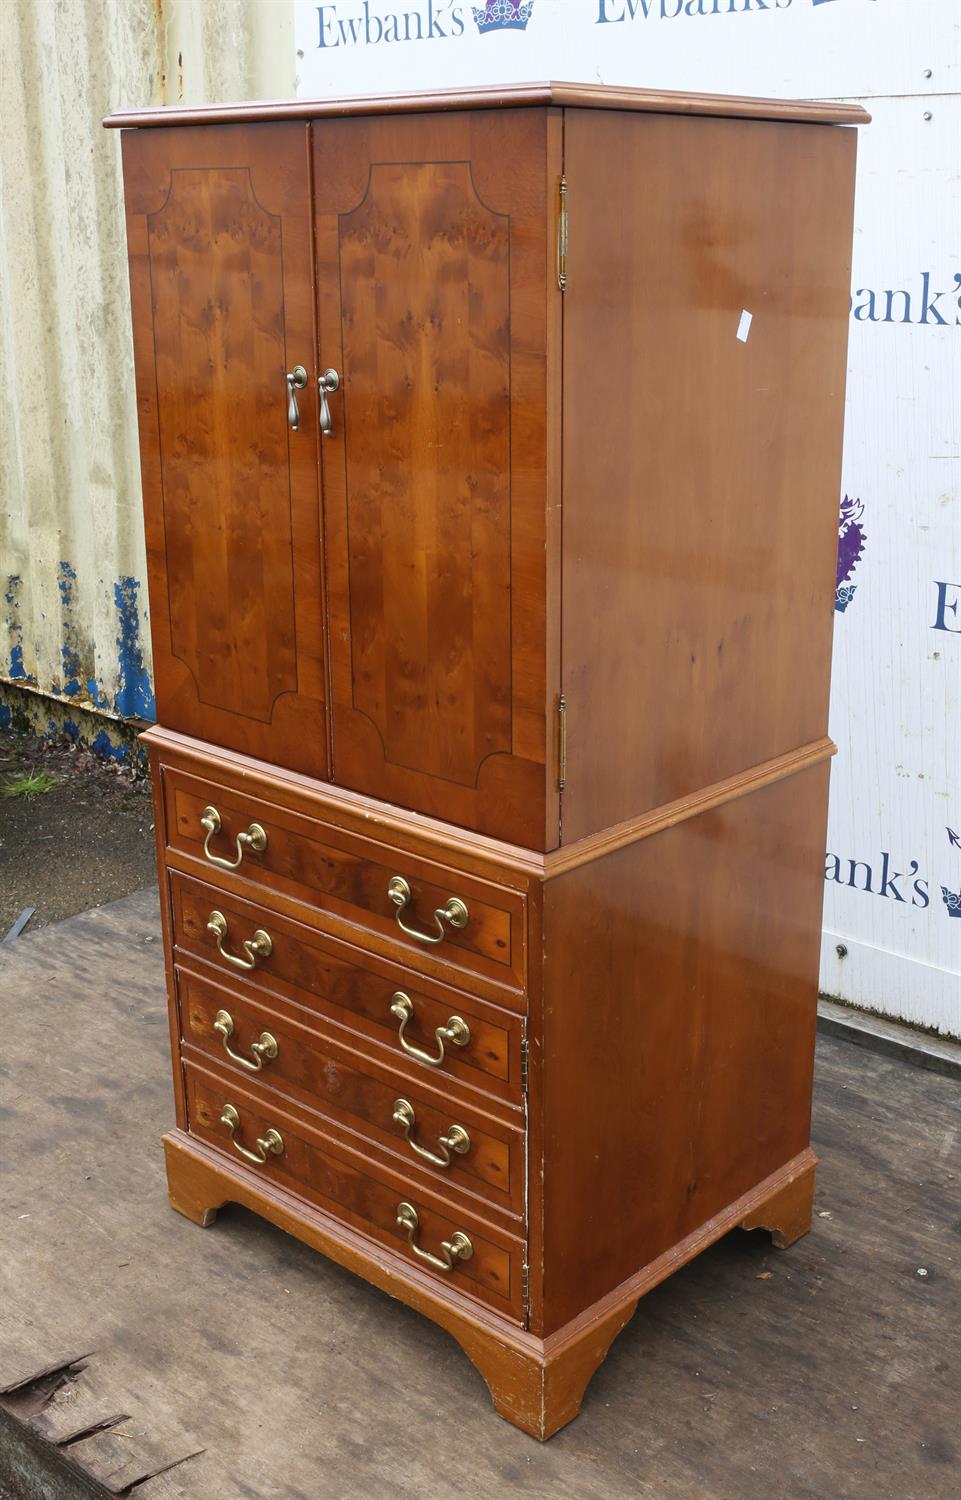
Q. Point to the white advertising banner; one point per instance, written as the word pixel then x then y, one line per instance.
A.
pixel 893 866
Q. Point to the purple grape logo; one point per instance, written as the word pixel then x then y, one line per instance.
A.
pixel 851 540
pixel 952 899
pixel 502 15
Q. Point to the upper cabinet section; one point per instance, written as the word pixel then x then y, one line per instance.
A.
pixel 403 494
pixel 431 238
pixel 219 242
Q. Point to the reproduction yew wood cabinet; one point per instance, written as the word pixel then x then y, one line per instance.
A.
pixel 491 459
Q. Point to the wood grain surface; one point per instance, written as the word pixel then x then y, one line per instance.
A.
pixel 680 984
pixel 701 471
pixel 220 275
pixel 431 245
pixel 598 96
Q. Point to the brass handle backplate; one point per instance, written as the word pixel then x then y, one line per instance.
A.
pixel 454 913
pixel 255 838
pixel 457 1248
pixel 271 1144
pixel 257 947
pixel 456 1140
pixel 264 1050
pixel 456 1032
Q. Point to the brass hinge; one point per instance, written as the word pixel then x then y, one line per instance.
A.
pixel 562 237
pixel 526 1283
pixel 525 1052
pixel 561 743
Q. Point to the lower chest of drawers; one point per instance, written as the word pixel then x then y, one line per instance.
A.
pixel 398 1111
pixel 293 1149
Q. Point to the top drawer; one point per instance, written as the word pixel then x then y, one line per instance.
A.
pixel 433 916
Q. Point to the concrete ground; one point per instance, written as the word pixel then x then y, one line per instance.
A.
pixel 83 841
pixel 825 1372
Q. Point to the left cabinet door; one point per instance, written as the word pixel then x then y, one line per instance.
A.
pixel 218 230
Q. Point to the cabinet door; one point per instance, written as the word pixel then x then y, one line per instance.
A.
pixel 434 306
pixel 218 225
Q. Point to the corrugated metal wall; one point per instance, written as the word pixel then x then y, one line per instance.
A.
pixel 73 601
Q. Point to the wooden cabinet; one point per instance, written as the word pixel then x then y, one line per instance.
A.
pixel 491 452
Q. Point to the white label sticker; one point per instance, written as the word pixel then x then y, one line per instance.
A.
pixel 744 327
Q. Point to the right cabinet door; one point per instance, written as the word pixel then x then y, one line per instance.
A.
pixel 431 260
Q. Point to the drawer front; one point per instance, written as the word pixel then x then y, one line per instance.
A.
pixel 355 1190
pixel 312 970
pixel 401 1115
pixel 344 878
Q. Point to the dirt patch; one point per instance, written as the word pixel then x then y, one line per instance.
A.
pixel 86 840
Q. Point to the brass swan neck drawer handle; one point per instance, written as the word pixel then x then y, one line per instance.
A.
pixel 264 1050
pixel 257 947
pixel 255 839
pixel 271 1144
pixel 296 381
pixel 456 1032
pixel 456 1140
pixel 457 1248
pixel 455 913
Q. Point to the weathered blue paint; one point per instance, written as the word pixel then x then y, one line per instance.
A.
pixel 135 697
pixel 71 729
pixel 15 627
pixel 6 716
pixel 69 652
pixel 104 746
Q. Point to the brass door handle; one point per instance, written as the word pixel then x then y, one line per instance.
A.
pixel 326 385
pixel 255 839
pixel 296 381
pixel 271 1144
pixel 457 1248
pixel 259 946
pixel 264 1050
pixel 455 913
pixel 456 1032
pixel 456 1140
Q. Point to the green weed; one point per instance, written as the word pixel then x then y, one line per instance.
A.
pixel 27 784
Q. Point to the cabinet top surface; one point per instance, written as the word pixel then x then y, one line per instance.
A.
pixel 509 96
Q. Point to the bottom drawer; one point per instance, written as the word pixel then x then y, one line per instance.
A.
pixel 272 1138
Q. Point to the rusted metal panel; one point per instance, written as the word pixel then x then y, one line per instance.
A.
pixel 74 636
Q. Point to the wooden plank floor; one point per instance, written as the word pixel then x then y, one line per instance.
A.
pixel 829 1370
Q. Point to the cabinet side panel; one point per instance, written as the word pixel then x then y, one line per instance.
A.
pixel 680 1005
pixel 705 336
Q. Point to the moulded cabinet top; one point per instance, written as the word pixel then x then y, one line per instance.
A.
pixel 510 96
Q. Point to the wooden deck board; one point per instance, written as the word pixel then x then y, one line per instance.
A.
pixel 828 1370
